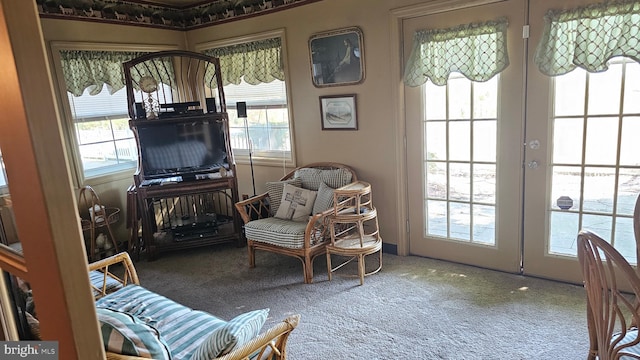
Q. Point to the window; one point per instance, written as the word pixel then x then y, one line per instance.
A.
pixel 265 93
pixel 101 125
pixel 267 119
pixel 99 137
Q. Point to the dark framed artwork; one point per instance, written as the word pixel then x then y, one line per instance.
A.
pixel 337 57
pixel 339 112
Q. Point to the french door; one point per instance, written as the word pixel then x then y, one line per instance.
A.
pixel 502 174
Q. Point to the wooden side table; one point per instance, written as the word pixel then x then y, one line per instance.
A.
pixel 354 228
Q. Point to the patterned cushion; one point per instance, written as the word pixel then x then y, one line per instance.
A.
pixel 233 334
pixel 274 188
pixel 312 178
pixel 127 335
pixel 276 231
pixel 324 199
pixel 296 203
pixel 182 328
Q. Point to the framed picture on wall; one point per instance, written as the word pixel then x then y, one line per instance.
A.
pixel 337 57
pixel 338 112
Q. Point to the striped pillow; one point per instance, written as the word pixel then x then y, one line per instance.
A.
pixel 324 199
pixel 233 334
pixel 127 335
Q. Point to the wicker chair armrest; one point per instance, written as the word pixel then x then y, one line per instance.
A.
pixel 273 340
pixel 128 272
pixel 253 208
pixel 317 230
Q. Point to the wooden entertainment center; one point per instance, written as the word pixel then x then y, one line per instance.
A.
pixel 185 186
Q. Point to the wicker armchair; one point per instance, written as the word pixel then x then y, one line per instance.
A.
pixel 303 240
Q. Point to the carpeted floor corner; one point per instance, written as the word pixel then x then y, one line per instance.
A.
pixel 415 308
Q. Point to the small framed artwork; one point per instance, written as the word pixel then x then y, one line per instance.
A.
pixel 339 112
pixel 337 57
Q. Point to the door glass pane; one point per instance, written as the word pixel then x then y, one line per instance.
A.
pixel 459 182
pixel 628 190
pixel 484 183
pixel 567 140
pixel 632 88
pixel 484 132
pixel 460 221
pixel 436 184
pixel 566 184
pixel 602 141
pixel 564 228
pixel 484 226
pixel 485 99
pixel 435 103
pixel 599 192
pixel 436 218
pixel 599 224
pixel 599 187
pixel 629 144
pixel 459 140
pixel 624 239
pixel 605 89
pixel 459 95
pixel 460 160
pixel 435 135
pixel 569 93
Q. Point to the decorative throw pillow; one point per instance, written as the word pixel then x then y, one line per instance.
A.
pixel 312 177
pixel 324 199
pixel 237 332
pixel 125 334
pixel 274 188
pixel 296 203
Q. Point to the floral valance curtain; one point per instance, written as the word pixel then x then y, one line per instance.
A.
pixel 257 61
pixel 477 50
pixel 588 37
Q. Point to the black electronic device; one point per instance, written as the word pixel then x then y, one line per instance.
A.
pixel 241 106
pixel 140 112
pixel 180 106
pixel 196 145
pixel 180 109
pixel 211 105
pixel 195 228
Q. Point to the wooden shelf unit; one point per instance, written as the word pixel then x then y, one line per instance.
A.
pixel 185 187
pixel 354 228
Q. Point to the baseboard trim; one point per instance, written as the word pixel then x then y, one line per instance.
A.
pixel 390 248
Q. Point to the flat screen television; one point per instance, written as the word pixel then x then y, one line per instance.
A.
pixel 184 147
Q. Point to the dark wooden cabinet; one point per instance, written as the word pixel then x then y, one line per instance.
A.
pixel 188 214
pixel 186 184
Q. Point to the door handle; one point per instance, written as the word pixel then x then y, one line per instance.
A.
pixel 533 164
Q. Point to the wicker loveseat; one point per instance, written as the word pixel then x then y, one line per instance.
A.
pixel 305 237
pixel 130 315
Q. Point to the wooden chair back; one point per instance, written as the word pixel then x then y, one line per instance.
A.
pixel 322 166
pixel 610 311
